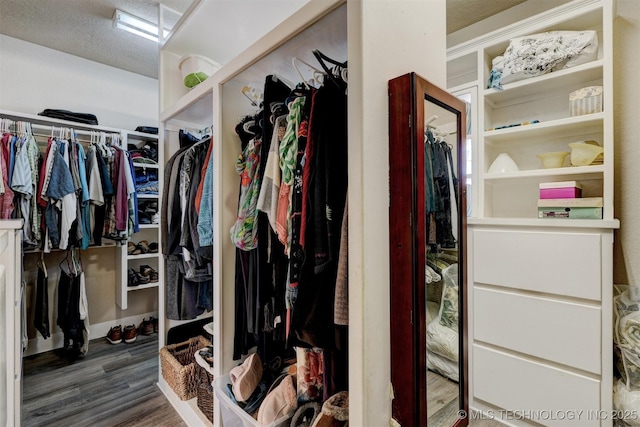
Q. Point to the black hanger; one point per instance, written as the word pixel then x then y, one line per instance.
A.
pixel 321 57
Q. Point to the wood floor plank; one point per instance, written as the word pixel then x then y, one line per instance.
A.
pixel 440 391
pixel 112 385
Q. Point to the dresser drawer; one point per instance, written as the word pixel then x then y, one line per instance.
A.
pixel 563 332
pixel 558 263
pixel 525 386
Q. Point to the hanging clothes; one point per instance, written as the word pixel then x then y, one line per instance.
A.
pixel 6 196
pixel 244 230
pixel 292 261
pixel 189 283
pixel 70 293
pixel 441 195
pixel 41 318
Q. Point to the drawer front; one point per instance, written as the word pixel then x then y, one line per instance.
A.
pixel 558 263
pixel 528 387
pixel 563 332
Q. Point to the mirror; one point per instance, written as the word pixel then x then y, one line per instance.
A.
pixel 427 223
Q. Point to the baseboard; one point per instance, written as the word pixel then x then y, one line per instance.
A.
pixel 99 330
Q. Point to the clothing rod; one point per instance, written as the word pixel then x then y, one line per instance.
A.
pixel 76 131
pixel 53 128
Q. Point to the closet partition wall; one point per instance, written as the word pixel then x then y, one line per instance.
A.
pixel 328 26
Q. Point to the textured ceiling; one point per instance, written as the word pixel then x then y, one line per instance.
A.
pixel 84 27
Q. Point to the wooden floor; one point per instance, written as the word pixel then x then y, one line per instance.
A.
pixel 113 385
pixel 442 400
pixel 442 404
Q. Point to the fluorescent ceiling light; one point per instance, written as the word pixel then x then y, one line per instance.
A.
pixel 135 25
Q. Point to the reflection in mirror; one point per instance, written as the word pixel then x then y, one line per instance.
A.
pixel 441 264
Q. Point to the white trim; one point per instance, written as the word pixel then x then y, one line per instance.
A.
pixel 542 19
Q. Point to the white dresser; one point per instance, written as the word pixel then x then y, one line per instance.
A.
pixel 541 323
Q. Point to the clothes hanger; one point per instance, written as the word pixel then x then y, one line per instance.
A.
pixel 42 264
pixel 275 77
pixel 321 57
pixel 66 259
pixel 302 79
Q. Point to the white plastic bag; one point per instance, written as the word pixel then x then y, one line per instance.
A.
pixel 538 54
pixel 627 337
pixel 442 341
pixel 626 403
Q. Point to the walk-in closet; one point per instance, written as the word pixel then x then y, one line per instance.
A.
pixel 295 213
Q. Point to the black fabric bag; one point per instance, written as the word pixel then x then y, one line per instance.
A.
pixel 147 129
pixel 89 119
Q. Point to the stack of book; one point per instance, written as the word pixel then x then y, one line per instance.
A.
pixel 564 200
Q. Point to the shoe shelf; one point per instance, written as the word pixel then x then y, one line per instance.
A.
pixel 145 286
pixel 151 226
pixel 142 256
pixel 151 234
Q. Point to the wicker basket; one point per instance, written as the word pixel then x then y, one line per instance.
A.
pixel 177 362
pixel 204 392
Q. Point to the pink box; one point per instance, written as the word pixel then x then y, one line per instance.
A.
pixel 560 193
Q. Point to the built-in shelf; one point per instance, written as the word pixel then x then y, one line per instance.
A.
pixel 539 86
pixel 147 196
pixel 547 222
pixel 145 286
pixel 147 226
pixel 576 173
pixel 142 135
pixel 146 165
pixel 143 256
pixel 585 124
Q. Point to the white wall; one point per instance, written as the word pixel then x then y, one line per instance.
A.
pixel 626 39
pixel 33 78
pixel 386 40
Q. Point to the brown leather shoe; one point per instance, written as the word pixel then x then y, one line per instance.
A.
pixel 130 333
pixel 146 327
pixel 115 335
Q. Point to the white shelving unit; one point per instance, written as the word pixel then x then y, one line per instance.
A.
pixel 549 277
pixel 343 30
pixel 148 232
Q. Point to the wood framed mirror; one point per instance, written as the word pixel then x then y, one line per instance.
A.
pixel 427 223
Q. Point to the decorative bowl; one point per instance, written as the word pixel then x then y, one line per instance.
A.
pixel 503 164
pixel 585 153
pixel 553 159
